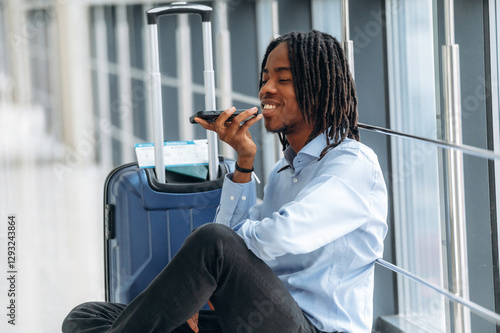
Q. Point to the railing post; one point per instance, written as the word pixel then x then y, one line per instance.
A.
pixel 456 196
pixel 347 44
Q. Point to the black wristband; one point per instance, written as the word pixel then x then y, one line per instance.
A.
pixel 240 169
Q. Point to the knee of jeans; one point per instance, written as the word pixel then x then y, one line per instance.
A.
pixel 70 322
pixel 81 311
pixel 69 325
pixel 85 314
pixel 214 233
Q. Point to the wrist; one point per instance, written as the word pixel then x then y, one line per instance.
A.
pixel 243 170
pixel 245 162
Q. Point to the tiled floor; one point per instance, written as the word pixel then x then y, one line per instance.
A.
pixel 59 246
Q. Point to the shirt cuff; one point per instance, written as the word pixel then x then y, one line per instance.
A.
pixel 235 202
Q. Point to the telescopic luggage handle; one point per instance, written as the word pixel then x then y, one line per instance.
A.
pixel 152 17
pixel 180 8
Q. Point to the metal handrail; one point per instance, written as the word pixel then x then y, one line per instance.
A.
pixel 470 150
pixel 477 309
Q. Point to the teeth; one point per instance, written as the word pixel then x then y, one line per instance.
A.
pixel 269 107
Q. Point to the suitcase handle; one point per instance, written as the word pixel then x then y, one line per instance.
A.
pixel 180 8
pixel 152 16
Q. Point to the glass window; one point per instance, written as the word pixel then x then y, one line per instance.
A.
pixel 413 108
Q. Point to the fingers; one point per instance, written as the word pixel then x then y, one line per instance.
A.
pixel 247 124
pixel 234 132
pixel 210 305
pixel 205 124
pixel 240 122
pixel 193 323
pixel 224 119
pixel 219 123
pixel 242 117
pixel 224 116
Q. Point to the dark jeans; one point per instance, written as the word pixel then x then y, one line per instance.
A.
pixel 213 264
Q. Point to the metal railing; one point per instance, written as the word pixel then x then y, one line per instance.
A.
pixel 453 296
pixel 469 150
pixel 477 309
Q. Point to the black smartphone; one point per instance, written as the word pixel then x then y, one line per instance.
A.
pixel 210 116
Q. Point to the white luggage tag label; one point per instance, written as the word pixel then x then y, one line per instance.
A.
pixel 176 153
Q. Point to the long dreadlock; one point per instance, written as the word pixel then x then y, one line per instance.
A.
pixel 324 87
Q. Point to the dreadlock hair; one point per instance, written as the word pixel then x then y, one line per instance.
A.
pixel 324 87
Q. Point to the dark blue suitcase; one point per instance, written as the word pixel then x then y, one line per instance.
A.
pixel 149 213
pixel 146 223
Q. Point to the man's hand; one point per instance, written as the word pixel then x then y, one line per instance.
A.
pixel 193 321
pixel 237 135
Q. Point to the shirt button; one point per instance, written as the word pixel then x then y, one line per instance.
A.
pixel 243 198
pixel 231 197
pixel 295 180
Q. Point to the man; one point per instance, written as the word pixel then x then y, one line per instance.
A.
pixel 302 261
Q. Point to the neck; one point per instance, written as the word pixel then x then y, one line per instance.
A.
pixel 296 145
pixel 297 142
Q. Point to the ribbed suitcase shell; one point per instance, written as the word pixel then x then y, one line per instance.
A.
pixel 147 222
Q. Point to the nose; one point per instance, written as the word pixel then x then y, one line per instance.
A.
pixel 267 87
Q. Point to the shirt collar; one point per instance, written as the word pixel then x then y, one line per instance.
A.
pixel 309 152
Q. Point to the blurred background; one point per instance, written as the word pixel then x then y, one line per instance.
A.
pixel 74 99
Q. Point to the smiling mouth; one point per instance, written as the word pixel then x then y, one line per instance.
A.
pixel 268 107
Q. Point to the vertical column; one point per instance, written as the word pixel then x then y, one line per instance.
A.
pixel 347 44
pixel 496 112
pixel 326 16
pixel 412 105
pixel 101 45
pixel 125 103
pixel 4 77
pixel 267 29
pixel 55 84
pixel 456 198
pixel 76 92
pixel 494 56
pixel 18 40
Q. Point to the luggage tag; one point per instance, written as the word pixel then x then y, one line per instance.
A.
pixel 185 157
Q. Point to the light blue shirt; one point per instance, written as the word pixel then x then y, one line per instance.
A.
pixel 320 227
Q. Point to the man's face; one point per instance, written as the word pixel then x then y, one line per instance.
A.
pixel 277 96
